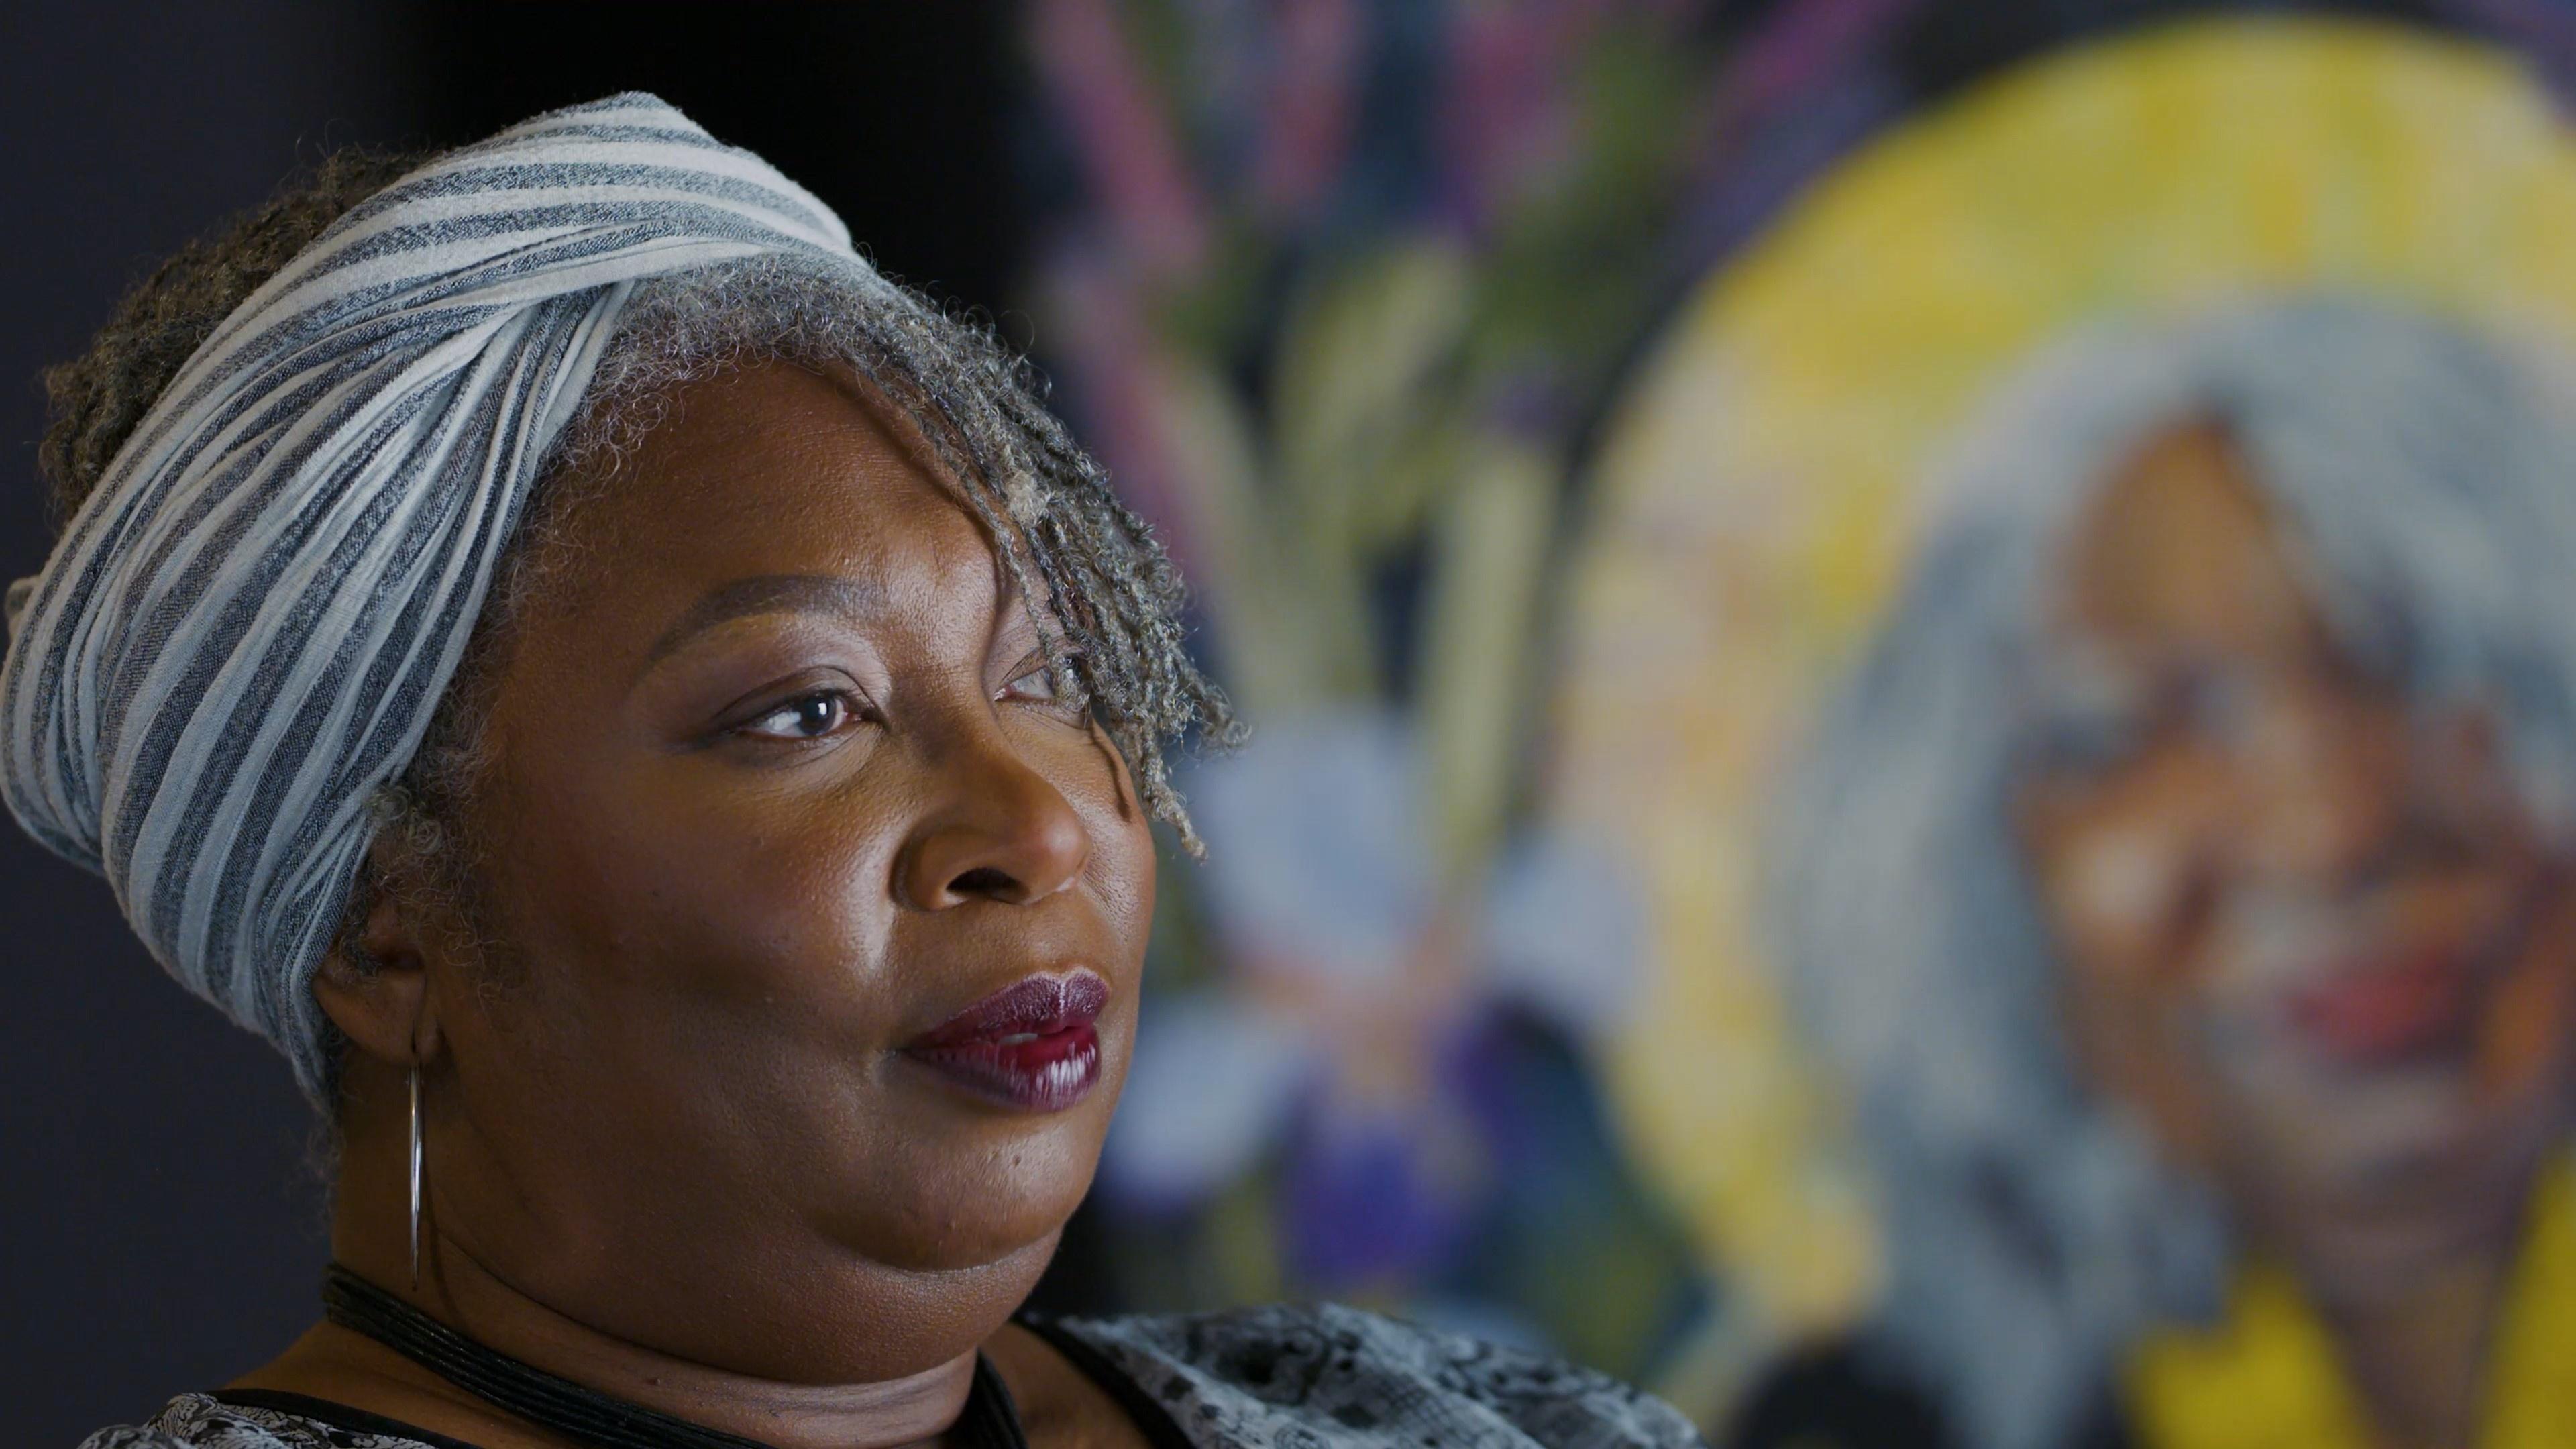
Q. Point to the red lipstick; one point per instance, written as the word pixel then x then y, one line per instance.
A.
pixel 1030 1045
pixel 2385 1011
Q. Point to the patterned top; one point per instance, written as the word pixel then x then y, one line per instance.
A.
pixel 1260 1378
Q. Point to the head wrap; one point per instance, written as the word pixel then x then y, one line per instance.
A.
pixel 243 633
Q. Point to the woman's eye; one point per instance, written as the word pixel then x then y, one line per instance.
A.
pixel 807 717
pixel 1037 684
pixel 1044 684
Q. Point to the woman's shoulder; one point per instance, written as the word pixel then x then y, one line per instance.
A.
pixel 1312 1376
pixel 203 1421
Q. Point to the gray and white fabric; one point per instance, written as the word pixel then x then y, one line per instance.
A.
pixel 245 630
pixel 1283 1376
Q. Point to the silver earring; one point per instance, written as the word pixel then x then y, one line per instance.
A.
pixel 415 1177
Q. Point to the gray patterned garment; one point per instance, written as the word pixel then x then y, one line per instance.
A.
pixel 1260 1378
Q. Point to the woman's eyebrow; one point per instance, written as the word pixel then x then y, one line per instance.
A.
pixel 768 594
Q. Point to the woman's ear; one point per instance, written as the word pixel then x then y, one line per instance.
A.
pixel 375 988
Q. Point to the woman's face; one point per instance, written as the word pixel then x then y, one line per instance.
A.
pixel 2312 934
pixel 814 911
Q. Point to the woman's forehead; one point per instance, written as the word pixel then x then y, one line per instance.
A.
pixel 2181 545
pixel 777 456
pixel 771 473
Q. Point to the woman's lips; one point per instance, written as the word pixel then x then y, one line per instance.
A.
pixel 2385 1011
pixel 1031 1045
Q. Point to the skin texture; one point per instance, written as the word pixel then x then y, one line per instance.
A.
pixel 739 839
pixel 2309 932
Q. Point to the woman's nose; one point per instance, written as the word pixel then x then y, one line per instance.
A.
pixel 1001 832
pixel 2327 795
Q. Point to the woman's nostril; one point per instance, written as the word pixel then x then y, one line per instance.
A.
pixel 984 880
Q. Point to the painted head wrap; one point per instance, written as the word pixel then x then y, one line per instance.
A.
pixel 244 631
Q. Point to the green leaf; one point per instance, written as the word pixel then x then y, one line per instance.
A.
pixel 1490 543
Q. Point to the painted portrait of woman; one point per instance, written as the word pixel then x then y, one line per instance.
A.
pixel 2077 610
pixel 2182 884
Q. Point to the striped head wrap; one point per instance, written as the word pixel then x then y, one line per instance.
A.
pixel 245 630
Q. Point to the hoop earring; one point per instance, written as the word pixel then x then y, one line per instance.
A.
pixel 415 1177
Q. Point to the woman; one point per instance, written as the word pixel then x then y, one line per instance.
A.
pixel 2186 885
pixel 661 729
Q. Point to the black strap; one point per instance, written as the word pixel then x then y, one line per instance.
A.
pixel 990 1419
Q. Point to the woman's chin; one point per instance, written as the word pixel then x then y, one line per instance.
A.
pixel 986 1206
pixel 1004 1251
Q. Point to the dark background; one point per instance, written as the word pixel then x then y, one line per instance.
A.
pixel 163 1229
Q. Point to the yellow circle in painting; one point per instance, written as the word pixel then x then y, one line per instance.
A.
pixel 1752 498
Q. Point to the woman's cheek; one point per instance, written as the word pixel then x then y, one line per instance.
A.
pixel 2528 1028
pixel 1084 767
pixel 2120 886
pixel 2112 883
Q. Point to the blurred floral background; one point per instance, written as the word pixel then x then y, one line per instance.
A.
pixel 1341 290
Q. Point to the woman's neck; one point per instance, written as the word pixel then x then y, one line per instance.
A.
pixel 2419 1365
pixel 341 1365
pixel 813 1349
pixel 2415 1332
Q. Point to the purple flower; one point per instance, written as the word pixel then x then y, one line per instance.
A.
pixel 1341 1042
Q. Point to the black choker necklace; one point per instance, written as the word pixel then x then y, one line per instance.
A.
pixel 989 1421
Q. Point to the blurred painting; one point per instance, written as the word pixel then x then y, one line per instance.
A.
pixel 2078 634
pixel 1914 673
